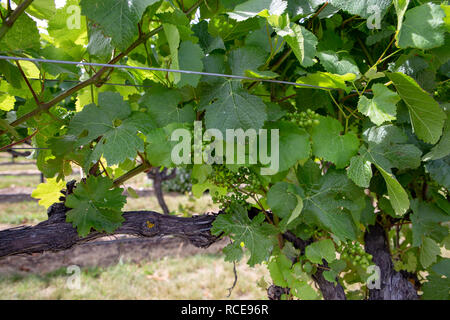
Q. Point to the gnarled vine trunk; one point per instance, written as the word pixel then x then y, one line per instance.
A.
pixel 393 285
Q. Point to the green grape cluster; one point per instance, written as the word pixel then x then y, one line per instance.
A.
pixel 354 252
pixel 306 118
pixel 320 234
pixel 232 180
pixel 224 177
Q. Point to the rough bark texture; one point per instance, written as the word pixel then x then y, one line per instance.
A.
pixel 56 234
pixel 393 285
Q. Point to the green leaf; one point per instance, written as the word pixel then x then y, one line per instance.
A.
pixel 400 8
pixel 282 200
pixel 328 80
pixel 261 74
pixel 294 145
pixel 246 58
pixel 113 121
pixel 428 252
pixel 426 115
pixel 190 57
pixel 163 106
pixel 439 171
pixel 303 43
pixel 426 222
pixel 234 108
pixel 7 102
pixel 397 195
pixel 173 38
pixel 279 268
pixel 200 172
pixel 329 144
pixel 23 35
pixel 252 8
pixel 442 267
pixel 423 27
pixel 99 45
pixel 363 8
pixel 382 107
pixel 160 145
pixel 338 63
pixel 436 288
pixel 330 201
pixel 95 206
pixel 207 42
pixel 323 249
pixel 297 210
pixel 442 149
pixel 360 169
pixel 48 192
pixel 118 18
pixel 255 234
pixel 233 252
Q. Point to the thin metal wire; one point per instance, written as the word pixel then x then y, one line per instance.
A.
pixel 231 76
pixel 27 149
pixel 106 83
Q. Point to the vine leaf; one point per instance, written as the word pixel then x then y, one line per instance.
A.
pixel 252 8
pixel 23 35
pixel 423 27
pixel 426 115
pixel 397 195
pixel 323 249
pixel 190 57
pixel 285 201
pixel 363 8
pixel 246 58
pixel 441 149
pixel 234 108
pixel 95 206
pixel 329 144
pixel 118 18
pixel 294 144
pixel 331 201
pixel 328 80
pixel 426 222
pixel 48 192
pixel 163 106
pixel 436 288
pixel 113 121
pixel 338 63
pixel 255 234
pixel 387 149
pixel 303 44
pixel 287 275
pixel 428 252
pixel 382 107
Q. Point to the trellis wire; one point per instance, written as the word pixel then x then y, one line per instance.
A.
pixel 231 76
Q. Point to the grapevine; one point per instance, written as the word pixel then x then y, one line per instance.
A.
pixel 340 113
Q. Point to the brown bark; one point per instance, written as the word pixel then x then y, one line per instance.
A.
pixel 393 285
pixel 56 234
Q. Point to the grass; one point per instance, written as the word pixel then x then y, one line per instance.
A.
pixel 196 277
pixel 28 212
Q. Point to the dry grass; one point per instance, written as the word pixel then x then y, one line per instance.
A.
pixel 197 277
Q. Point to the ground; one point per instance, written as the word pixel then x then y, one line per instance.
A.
pixel 117 268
